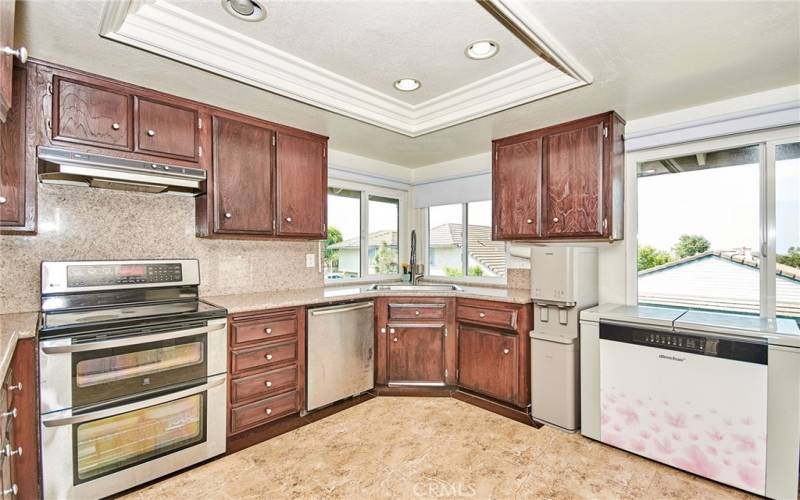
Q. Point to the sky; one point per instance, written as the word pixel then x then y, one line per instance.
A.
pixel 721 204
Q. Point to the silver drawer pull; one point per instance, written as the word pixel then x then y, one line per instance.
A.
pixel 3 200
pixel 267 330
pixel 555 219
pixel 383 330
pixel 268 383
pixel 288 219
pixel 529 221
pixel 12 413
pixel 228 215
pixel 15 387
pixel 268 356
pixel 416 313
pixel 482 314
pixel 11 491
pixel 8 452
pixel 506 351
pixel 268 411
pixel 151 132
pixel 391 330
pixel 115 126
pixel 394 339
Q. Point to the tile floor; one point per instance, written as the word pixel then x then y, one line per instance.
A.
pixel 404 447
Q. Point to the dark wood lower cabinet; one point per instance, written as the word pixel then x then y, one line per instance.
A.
pixel 488 362
pixel 416 353
pixel 19 469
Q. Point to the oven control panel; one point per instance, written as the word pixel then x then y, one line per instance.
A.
pixel 123 274
pixel 688 343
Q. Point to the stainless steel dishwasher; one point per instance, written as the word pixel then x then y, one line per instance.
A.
pixel 340 346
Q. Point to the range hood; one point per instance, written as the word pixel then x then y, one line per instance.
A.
pixel 61 166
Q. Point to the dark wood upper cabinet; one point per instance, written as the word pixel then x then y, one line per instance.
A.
pixel 516 175
pixel 573 182
pixel 166 130
pixel 243 163
pixel 87 114
pixel 569 175
pixel 416 353
pixel 302 185
pixel 488 362
pixel 7 8
pixel 17 169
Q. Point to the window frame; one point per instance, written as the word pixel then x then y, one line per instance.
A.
pixel 367 190
pixel 424 250
pixel 767 140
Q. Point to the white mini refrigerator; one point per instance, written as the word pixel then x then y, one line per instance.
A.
pixel 695 402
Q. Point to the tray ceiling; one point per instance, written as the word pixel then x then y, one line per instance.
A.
pixel 345 56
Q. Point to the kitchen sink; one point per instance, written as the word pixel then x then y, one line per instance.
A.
pixel 415 288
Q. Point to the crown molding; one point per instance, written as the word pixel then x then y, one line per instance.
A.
pixel 168 30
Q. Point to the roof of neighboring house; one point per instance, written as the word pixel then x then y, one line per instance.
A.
pixel 718 280
pixel 491 254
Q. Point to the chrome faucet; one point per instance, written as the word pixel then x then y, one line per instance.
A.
pixel 415 276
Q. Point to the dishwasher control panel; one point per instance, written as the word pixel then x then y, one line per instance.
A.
pixel 690 343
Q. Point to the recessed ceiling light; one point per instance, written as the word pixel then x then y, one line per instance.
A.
pixel 482 49
pixel 246 10
pixel 407 84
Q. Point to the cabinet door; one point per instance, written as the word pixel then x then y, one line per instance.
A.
pixel 302 185
pixel 87 114
pixel 516 189
pixel 166 130
pixel 13 169
pixel 487 362
pixel 243 160
pixel 416 353
pixel 6 61
pixel 573 181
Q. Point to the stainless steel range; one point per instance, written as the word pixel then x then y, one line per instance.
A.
pixel 132 372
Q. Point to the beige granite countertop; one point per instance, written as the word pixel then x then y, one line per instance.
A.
pixel 244 302
pixel 12 328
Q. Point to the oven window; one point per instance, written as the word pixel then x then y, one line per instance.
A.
pixel 115 367
pixel 111 444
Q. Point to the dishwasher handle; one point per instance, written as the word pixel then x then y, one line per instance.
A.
pixel 340 309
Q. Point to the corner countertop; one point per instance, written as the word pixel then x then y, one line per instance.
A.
pixel 13 327
pixel 246 302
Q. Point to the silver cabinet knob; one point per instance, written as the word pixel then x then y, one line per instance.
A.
pixel 268 356
pixel 288 219
pixel 394 339
pixel 20 53
pixel 11 491
pixel 115 126
pixel 506 351
pixel 416 313
pixel 482 314
pixel 3 200
pixel 555 219
pixel 8 452
pixel 268 383
pixel 268 411
pixel 18 385
pixel 267 330
pixel 391 330
pixel 12 413
pixel 383 330
pixel 228 215
pixel 529 221
pixel 151 132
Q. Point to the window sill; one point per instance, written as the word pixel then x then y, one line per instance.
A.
pixel 484 282
pixel 377 278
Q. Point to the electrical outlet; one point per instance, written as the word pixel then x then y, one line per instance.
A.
pixel 311 260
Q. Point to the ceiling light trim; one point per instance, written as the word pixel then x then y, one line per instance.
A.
pixel 165 29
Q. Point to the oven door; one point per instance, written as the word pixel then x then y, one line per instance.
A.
pixel 76 371
pixel 93 454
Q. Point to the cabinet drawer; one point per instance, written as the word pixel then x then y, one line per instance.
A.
pixel 264 329
pixel 416 311
pixel 263 384
pixel 488 316
pixel 166 130
pixel 263 411
pixel 86 114
pixel 263 356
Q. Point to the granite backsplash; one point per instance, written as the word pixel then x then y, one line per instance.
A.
pixel 78 223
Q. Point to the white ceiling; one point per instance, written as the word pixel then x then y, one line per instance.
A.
pixel 645 57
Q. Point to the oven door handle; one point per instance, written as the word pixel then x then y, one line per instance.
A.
pixel 108 344
pixel 117 410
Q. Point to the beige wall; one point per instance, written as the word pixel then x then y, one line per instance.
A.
pixel 77 223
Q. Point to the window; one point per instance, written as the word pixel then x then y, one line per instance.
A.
pixel 704 226
pixel 457 248
pixel 363 232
